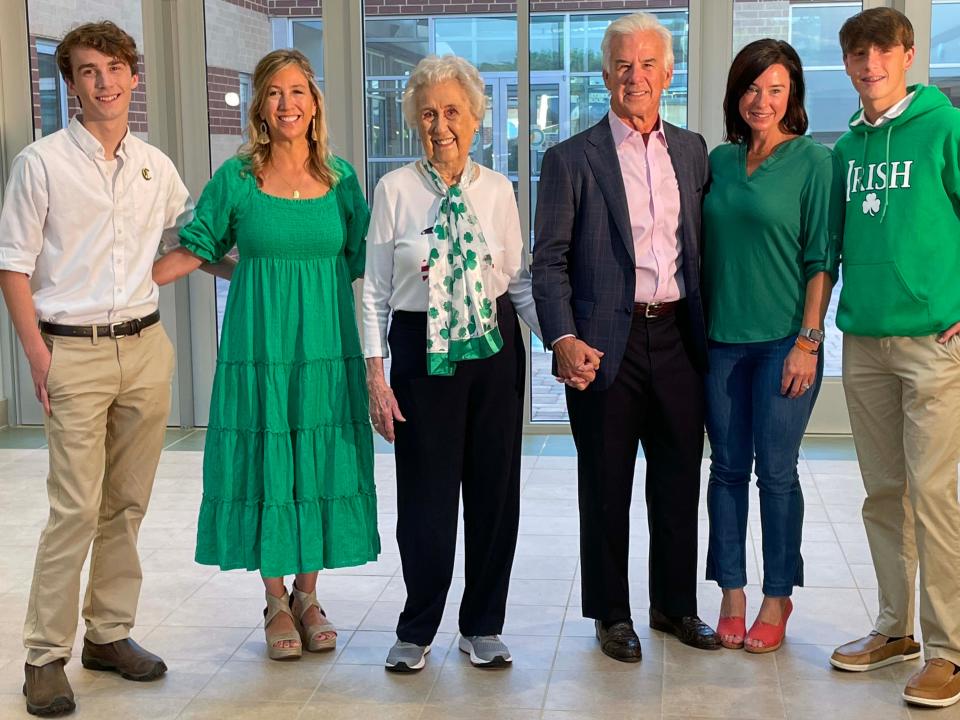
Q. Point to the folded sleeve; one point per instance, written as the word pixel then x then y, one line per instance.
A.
pixel 178 213
pixel 356 217
pixel 23 215
pixel 821 208
pixel 210 234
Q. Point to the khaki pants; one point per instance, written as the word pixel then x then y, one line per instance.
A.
pixel 903 395
pixel 109 400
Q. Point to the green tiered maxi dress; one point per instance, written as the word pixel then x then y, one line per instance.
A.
pixel 288 464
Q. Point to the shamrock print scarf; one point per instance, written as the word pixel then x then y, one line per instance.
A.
pixel 461 318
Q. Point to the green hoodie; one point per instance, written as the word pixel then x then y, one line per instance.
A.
pixel 901 236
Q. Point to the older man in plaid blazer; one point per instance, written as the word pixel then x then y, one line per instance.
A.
pixel 616 277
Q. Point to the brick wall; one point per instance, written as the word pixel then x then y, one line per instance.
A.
pixel 224 120
pixel 449 7
pixel 299 8
pixel 260 6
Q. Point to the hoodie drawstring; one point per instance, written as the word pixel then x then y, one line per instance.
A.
pixel 886 160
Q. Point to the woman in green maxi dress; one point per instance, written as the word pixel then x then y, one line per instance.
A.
pixel 288 482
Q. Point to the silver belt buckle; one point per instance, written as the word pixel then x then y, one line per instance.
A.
pixel 113 328
pixel 654 306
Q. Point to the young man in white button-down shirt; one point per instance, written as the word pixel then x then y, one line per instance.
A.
pixel 84 213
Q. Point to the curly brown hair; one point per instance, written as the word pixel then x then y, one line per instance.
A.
pixel 104 36
pixel 320 162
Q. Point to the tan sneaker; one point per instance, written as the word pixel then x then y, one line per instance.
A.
pixel 874 651
pixel 937 685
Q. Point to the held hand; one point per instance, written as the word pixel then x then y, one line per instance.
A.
pixel 384 409
pixel 577 362
pixel 944 337
pixel 799 373
pixel 39 370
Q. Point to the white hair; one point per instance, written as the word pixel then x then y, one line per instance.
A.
pixel 432 70
pixel 634 23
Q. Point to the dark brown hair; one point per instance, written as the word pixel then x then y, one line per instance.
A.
pixel 105 37
pixel 749 64
pixel 884 27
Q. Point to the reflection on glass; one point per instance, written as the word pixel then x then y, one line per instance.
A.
pixel 945 49
pixel 308 39
pixel 51 87
pixel 490 43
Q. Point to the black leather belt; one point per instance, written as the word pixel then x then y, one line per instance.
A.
pixel 114 330
pixel 655 309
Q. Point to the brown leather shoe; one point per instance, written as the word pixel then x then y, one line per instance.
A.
pixel 124 657
pixel 689 629
pixel 937 685
pixel 874 651
pixel 47 689
pixel 619 641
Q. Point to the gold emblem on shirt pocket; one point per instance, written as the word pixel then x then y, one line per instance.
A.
pixel 146 174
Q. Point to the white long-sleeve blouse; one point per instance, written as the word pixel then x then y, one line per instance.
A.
pixel 404 205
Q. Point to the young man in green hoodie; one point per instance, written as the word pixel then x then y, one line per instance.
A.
pixel 900 314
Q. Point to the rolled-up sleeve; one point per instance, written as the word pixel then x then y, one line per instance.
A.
pixel 24 212
pixel 210 234
pixel 821 215
pixel 378 280
pixel 178 213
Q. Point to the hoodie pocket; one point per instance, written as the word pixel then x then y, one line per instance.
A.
pixel 876 300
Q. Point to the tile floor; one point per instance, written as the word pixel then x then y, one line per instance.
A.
pixel 206 624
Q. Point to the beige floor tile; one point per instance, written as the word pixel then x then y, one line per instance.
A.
pixel 128 708
pixel 864 575
pixel 387 564
pixel 369 683
pixel 555 545
pixel 632 694
pixel 857 552
pixel 583 653
pixel 720 693
pixel 826 616
pixel 497 688
pixel 183 679
pixel 292 681
pixel 534 620
pixel 187 643
pixel 680 660
pixel 223 612
pixel 827 575
pixel 467 712
pixel 207 709
pixel 544 567
pixel 352 711
pixel 539 592
pixel 827 698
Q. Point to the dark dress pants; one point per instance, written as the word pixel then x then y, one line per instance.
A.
pixel 656 400
pixel 462 434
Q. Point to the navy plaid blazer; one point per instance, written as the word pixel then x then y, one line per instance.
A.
pixel 584 272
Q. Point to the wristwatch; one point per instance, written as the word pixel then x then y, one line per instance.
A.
pixel 811 334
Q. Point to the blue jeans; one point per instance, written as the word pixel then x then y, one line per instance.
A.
pixel 748 419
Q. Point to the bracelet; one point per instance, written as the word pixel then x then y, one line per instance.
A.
pixel 807 345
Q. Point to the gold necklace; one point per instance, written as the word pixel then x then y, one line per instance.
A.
pixel 296 193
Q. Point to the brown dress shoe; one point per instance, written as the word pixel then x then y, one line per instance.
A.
pixel 937 685
pixel 619 641
pixel 124 657
pixel 874 651
pixel 47 689
pixel 689 629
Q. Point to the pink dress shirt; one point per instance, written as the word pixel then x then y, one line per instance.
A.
pixel 653 201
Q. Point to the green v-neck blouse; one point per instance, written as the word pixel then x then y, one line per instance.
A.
pixel 765 235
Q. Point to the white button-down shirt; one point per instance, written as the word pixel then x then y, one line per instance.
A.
pixel 87 229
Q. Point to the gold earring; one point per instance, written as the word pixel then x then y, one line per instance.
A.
pixel 314 135
pixel 263 137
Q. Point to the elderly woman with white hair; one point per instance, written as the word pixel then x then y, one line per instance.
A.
pixel 446 268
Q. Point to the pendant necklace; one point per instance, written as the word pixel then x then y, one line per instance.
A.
pixel 296 193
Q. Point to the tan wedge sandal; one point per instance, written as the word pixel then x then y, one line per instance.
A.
pixel 300 603
pixel 275 606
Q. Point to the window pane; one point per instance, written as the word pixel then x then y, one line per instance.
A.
pixel 563 104
pixel 945 49
pixel 51 93
pixel 546 42
pixel 489 43
pixel 394 47
pixel 308 39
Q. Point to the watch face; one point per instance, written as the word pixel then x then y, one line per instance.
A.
pixel 813 334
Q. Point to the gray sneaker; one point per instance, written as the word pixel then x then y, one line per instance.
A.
pixel 406 657
pixel 486 650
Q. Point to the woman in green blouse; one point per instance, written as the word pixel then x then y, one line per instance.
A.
pixel 772 221
pixel 288 465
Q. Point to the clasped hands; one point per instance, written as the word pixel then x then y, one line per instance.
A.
pixel 577 362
